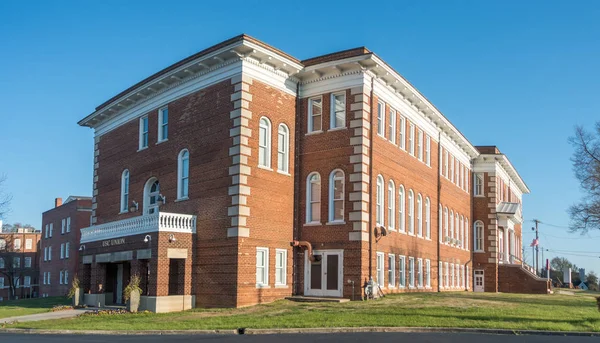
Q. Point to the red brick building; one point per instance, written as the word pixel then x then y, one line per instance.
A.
pixel 59 250
pixel 242 175
pixel 19 266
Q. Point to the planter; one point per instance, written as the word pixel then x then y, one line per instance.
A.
pixel 134 301
pixel 77 297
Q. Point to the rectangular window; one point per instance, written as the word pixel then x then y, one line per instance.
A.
pixel 381 119
pixel 17 244
pixel 27 262
pixel 446 165
pixel 478 188
pixel 51 229
pixel 280 267
pixel 60 277
pixel 67 246
pixel 457 267
pixel 420 145
pixel 338 111
pixel 315 114
pixel 392 133
pixel 447 276
pixel 1 263
pixel 440 274
pixel 462 176
pixel 50 253
pixel 282 149
pixel 68 224
pixel 45 253
pixel 456 175
pixel 27 281
pixel 262 267
pixel 402 133
pixel 62 251
pixel 428 151
pixel 452 284
pixel 264 143
pixel 391 270
pixel 66 277
pixel 380 270
pixel 452 169
pixel 467 277
pixel 411 272
pixel 16 262
pixel 420 272
pixel 462 278
pixel 46 229
pixel 428 273
pixel 143 133
pixel 163 124
pixel 17 282
pixel 411 139
pixel 402 271
pixel 28 243
pixel 49 279
pixel 63 226
pixel 1 282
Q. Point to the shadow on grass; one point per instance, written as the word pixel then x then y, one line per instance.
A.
pixel 36 302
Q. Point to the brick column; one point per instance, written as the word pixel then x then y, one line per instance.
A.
pixel 491 273
pixel 95 191
pixel 239 152
pixel 85 277
pixel 98 278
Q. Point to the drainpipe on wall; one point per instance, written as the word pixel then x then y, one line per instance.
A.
pixel 371 180
pixel 297 220
pixel 439 186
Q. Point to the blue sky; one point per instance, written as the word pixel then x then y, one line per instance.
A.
pixel 516 74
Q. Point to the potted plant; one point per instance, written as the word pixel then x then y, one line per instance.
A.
pixel 75 292
pixel 132 293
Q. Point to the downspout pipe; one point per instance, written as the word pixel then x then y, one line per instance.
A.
pixel 297 221
pixel 439 187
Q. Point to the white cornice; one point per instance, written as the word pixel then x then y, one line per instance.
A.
pixel 501 165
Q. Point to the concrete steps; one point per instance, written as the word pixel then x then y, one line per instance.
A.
pixel 301 298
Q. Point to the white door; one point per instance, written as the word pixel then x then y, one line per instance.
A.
pixel 324 277
pixel 119 290
pixel 478 281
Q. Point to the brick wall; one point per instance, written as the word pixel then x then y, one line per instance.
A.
pixel 513 279
pixel 10 253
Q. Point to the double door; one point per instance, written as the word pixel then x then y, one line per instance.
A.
pixel 324 277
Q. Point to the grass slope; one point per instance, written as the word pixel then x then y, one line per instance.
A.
pixel 24 307
pixel 468 310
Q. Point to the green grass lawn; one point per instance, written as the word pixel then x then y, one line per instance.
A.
pixel 461 310
pixel 23 307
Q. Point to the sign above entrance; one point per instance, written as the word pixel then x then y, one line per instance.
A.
pixel 113 242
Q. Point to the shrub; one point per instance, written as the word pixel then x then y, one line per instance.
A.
pixel 74 287
pixel 134 285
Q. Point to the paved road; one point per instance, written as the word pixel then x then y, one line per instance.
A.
pixel 297 338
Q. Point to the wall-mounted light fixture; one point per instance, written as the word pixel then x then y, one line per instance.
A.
pixel 134 206
pixel 147 239
pixel 161 199
pixel 172 238
pixel 82 247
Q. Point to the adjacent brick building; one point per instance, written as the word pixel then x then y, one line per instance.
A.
pixel 19 267
pixel 59 248
pixel 242 175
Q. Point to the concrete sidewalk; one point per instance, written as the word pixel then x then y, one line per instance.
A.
pixel 45 316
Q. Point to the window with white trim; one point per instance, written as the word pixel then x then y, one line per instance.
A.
pixel 402 271
pixel 420 272
pixel 49 278
pixel 17 244
pixel 143 133
pixel 315 114
pixel 280 267
pixel 401 209
pixel 262 267
pixel 338 111
pixel 441 274
pixel 411 139
pixel 456 173
pixel 428 151
pixel 451 224
pixel 62 251
pixel 452 169
pixel 457 267
pixel 411 272
pixel 283 148
pixel 381 119
pixel 462 232
pixel 125 191
pixel 1 263
pixel 402 133
pixel 380 271
pixel 467 233
pixel 163 124
pixel 467 278
pixel 336 196
pixel 66 277
pixel 1 282
pixel 27 261
pixel 411 212
pixel 392 127
pixel 440 223
pixel 379 201
pixel 478 188
pixel 457 232
pixel 445 223
pixel 63 226
pixel 391 205
pixel 419 215
pixel 462 276
pixel 183 174
pixel 391 270
pixel 447 275
pixel 16 262
pixel 462 176
pixel 446 160
pixel 60 277
pixel 420 145
pixel 264 143
pixel 427 218
pixel 50 253
pixel 478 236
pixel 67 247
pixel 452 284
pixel 313 198
pixel 68 224
pixel 45 253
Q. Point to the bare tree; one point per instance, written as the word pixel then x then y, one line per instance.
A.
pixel 5 198
pixel 13 264
pixel 585 215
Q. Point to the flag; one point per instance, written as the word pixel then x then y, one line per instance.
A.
pixel 535 243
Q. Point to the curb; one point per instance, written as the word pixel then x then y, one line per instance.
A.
pixel 249 331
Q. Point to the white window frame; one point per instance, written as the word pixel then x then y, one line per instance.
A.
pixel 379 197
pixel 427 218
pixel 401 209
pixel 402 271
pixel 309 198
pixel 411 139
pixel 420 145
pixel 264 149
pixel 183 175
pixel 67 246
pixel 457 272
pixel 50 253
pixel 446 162
pixel 452 277
pixel 391 271
pixel 391 205
pixel 66 277
pixel 380 269
pixel 60 277
pixel 420 273
pixel 447 274
pixel 16 262
pixel 49 278
pixel 63 226
pixel 68 224
pixel 466 224
pixel 411 212
pixel 280 267
pixel 428 151
pixel 419 215
pixel 125 191
pixel 265 268
pixel 411 272
pixel 478 236
pixel 478 184
pixel 332 200
pixel 283 149
pixel 440 223
pixel 163 128
pixel 333 112
pixel 446 232
pixel 381 119
pixel 17 244
pixel 451 218
pixel 144 134
pixel 452 168
pixel 27 262
pixel 1 282
pixel 311 115
pixel 467 278
pixel 62 251
pixel 402 142
pixel 392 126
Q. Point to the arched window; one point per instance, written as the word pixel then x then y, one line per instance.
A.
pixel 451 224
pixel 401 209
pixel 151 196
pixel 336 196
pixel 478 236
pixel 379 199
pixel 411 212
pixel 462 232
pixel 391 205
pixel 440 223
pixel 283 148
pixel 183 172
pixel 264 143
pixel 419 215
pixel 313 198
pixel 125 191
pixel 427 218
pixel 445 223
pixel 467 233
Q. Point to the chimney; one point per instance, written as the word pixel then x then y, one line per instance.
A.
pixel 57 202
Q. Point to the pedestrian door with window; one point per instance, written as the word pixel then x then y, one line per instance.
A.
pixel 324 277
pixel 478 281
